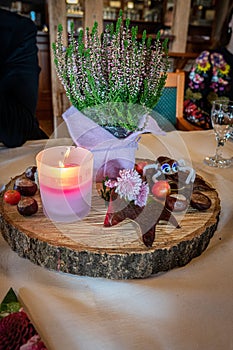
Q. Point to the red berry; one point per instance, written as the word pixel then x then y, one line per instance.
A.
pixel 12 197
pixel 140 166
pixel 161 189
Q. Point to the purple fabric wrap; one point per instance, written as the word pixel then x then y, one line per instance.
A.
pixel 110 153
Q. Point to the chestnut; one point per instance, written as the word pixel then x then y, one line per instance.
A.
pixel 176 204
pixel 30 172
pixel 26 187
pixel 27 206
pixel 200 201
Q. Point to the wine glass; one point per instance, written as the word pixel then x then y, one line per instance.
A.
pixel 222 122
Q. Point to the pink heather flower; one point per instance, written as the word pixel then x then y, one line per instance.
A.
pixel 128 184
pixel 142 196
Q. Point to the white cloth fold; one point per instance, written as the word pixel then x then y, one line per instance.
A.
pixel 185 308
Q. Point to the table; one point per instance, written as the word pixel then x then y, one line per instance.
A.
pixel 186 308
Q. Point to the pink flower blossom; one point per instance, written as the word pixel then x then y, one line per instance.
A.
pixel 111 183
pixel 198 79
pixel 222 81
pixel 35 343
pixel 142 196
pixel 128 184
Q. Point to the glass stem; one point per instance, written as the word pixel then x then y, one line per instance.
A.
pixel 220 144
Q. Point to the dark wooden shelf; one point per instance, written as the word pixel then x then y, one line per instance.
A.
pixel 44 109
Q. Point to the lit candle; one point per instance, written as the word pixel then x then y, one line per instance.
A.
pixel 65 180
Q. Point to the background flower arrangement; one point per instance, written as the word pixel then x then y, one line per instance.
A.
pixel 106 76
pixel 16 329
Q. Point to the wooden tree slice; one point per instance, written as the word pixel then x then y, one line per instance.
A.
pixel 87 248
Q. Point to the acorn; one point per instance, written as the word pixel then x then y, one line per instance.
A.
pixel 27 206
pixel 30 172
pixel 25 187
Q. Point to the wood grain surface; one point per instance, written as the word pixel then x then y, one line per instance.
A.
pixel 87 248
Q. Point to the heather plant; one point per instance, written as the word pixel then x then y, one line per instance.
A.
pixel 112 73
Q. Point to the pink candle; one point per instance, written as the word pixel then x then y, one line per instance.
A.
pixel 65 180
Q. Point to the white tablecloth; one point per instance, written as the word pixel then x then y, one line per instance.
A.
pixel 186 308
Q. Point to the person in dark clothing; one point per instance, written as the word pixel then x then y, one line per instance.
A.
pixel 211 78
pixel 19 79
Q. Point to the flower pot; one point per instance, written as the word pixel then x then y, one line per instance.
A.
pixel 110 153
